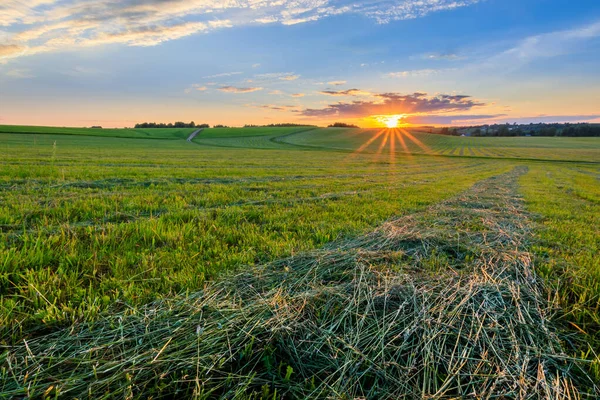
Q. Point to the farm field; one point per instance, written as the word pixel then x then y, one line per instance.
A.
pixel 131 260
pixel 404 141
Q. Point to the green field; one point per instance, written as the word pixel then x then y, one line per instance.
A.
pixel 100 229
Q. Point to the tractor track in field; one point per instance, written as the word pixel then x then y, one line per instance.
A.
pixel 238 146
pixel 193 135
pixel 441 303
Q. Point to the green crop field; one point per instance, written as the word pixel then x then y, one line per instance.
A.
pixel 259 263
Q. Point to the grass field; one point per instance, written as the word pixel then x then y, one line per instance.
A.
pixel 119 241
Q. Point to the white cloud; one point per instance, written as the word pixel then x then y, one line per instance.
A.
pixel 266 20
pixel 39 26
pixel 441 56
pixel 412 73
pixel 14 11
pixel 337 83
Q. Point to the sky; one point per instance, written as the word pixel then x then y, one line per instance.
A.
pixel 115 63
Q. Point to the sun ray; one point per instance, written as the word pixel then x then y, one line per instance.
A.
pixel 392 146
pixel 383 143
pixel 402 142
pixel 369 142
pixel 416 141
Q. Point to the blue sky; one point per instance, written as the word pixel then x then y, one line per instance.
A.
pixel 114 63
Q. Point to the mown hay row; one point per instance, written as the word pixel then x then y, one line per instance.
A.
pixel 438 304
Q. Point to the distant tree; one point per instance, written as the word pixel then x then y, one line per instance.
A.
pixel 342 125
pixel 177 124
pixel 287 125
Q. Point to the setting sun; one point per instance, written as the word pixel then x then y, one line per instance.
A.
pixel 390 121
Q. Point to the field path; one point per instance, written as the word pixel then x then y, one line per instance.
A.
pixel 193 135
pixel 442 303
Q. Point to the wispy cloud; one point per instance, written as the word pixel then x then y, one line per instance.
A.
pixel 51 25
pixel 337 83
pixel 11 50
pixel 349 92
pixel 277 76
pixel 222 75
pixel 441 56
pixel 412 73
pixel 79 70
pixel 233 89
pixel 274 107
pixel 20 73
pixel 196 87
pixel 363 65
pixel 532 48
pixel 298 95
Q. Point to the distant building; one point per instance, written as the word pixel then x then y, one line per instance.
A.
pixel 96 127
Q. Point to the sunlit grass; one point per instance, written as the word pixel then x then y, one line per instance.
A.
pixel 93 226
pixel 92 221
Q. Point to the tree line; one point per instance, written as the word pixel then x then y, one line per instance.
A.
pixel 541 129
pixel 180 124
pixel 177 124
pixel 283 125
pixel 342 125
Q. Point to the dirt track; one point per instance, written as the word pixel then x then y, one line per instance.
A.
pixel 194 134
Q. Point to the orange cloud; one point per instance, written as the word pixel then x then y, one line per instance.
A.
pixel 11 50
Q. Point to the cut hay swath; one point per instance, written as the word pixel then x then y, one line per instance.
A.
pixel 438 304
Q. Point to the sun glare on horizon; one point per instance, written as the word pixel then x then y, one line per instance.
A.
pixel 390 121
